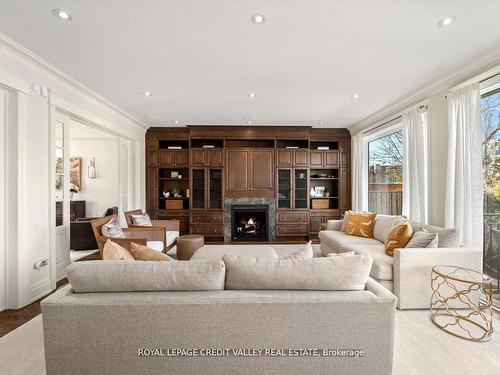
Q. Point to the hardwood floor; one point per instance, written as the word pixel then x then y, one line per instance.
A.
pixel 11 319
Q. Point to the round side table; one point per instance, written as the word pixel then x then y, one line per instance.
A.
pixel 461 302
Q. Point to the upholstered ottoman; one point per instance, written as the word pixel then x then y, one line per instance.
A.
pixel 216 252
pixel 188 244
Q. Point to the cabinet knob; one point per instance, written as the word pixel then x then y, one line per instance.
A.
pixel 284 217
pixel 215 230
pixel 197 218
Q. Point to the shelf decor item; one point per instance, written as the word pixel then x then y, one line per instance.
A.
pixel 174 204
pixel 320 191
pixel 174 174
pixel 312 192
pixel 320 204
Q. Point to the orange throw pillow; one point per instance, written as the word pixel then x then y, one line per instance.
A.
pixel 360 224
pixel 398 237
pixel 141 252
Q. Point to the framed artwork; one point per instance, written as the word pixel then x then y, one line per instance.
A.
pixel 75 169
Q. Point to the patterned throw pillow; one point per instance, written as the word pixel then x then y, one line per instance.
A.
pixel 141 252
pixel 142 220
pixel 112 229
pixel 113 251
pixel 398 237
pixel 360 224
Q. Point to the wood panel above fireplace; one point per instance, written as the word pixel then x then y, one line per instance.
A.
pixel 239 162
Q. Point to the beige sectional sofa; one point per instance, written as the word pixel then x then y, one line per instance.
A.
pixel 114 310
pixel 408 273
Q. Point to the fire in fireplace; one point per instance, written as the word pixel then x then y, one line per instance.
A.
pixel 249 222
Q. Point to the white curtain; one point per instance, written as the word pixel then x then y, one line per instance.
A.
pixel 415 182
pixel 359 175
pixel 464 187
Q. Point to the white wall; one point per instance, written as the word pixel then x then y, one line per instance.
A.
pixel 104 191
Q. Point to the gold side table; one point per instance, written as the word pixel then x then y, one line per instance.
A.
pixel 461 302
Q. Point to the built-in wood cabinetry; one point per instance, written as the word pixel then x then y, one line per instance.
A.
pixel 217 162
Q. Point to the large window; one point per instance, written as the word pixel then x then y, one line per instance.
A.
pixel 490 132
pixel 385 174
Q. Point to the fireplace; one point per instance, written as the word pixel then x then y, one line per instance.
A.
pixel 249 222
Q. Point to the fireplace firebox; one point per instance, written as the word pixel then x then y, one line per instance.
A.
pixel 249 223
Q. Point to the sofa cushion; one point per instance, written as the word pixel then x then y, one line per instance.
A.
pixel 360 224
pixel 119 276
pixel 423 239
pixel 113 251
pixel 344 221
pixel 336 239
pixel 332 273
pixel 382 263
pixel 112 229
pixel 447 237
pixel 142 220
pixel 216 252
pixel 305 252
pixel 398 237
pixel 141 252
pixel 384 224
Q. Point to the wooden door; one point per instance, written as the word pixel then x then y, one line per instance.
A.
pixel 284 158
pixel 215 158
pixel 345 158
pixel 181 157
pixel 345 189
pixel 198 158
pixel 166 158
pixel 300 158
pixel 331 158
pixel 152 189
pixel 237 170
pixel 262 170
pixel 316 158
pixel 152 153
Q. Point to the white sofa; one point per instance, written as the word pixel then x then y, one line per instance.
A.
pixel 408 273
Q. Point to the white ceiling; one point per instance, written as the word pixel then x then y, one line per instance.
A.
pixel 201 59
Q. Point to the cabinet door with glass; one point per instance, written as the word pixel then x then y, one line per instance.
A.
pixel 284 189
pixel 300 200
pixel 198 188
pixel 215 189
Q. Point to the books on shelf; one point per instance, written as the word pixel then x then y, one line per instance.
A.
pixel 208 146
pixel 292 146
pixel 323 148
pixel 174 147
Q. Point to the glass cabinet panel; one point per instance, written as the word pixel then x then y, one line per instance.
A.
pixel 60 172
pixel 300 188
pixel 198 193
pixel 215 184
pixel 284 188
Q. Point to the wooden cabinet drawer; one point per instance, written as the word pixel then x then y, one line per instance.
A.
pixel 209 231
pixel 164 213
pixel 292 217
pixel 207 218
pixel 292 230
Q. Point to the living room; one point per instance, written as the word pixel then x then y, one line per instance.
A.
pixel 249 167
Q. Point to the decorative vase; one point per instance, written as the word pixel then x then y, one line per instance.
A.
pixel 312 193
pixel 71 195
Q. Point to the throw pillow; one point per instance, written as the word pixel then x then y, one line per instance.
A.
pixel 142 220
pixel 344 221
pixel 141 252
pixel 305 252
pixel 113 251
pixel 398 237
pixel 448 237
pixel 360 224
pixel 344 254
pixel 112 229
pixel 423 239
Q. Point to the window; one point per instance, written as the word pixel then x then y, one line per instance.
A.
pixel 490 133
pixel 385 174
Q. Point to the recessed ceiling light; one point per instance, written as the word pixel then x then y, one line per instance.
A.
pixel 146 93
pixel 62 14
pixel 249 122
pixel 354 96
pixel 252 95
pixel 258 19
pixel 176 122
pixel 321 123
pixel 447 21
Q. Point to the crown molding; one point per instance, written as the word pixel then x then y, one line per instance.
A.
pixel 474 69
pixel 32 68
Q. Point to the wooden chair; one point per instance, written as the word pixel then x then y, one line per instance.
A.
pixel 138 235
pixel 171 226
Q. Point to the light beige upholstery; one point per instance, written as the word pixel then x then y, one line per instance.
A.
pixel 382 263
pixel 214 252
pixel 384 224
pixel 336 240
pixel 101 333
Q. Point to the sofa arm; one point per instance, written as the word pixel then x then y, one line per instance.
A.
pixel 413 267
pixel 334 225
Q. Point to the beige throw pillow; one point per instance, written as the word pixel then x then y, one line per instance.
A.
pixel 398 237
pixel 423 239
pixel 343 254
pixel 113 251
pixel 305 252
pixel 142 220
pixel 141 252
pixel 360 224
pixel 112 229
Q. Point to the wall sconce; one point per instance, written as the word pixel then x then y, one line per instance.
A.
pixel 92 170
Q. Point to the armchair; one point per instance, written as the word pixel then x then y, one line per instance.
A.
pixel 153 237
pixel 81 233
pixel 171 227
